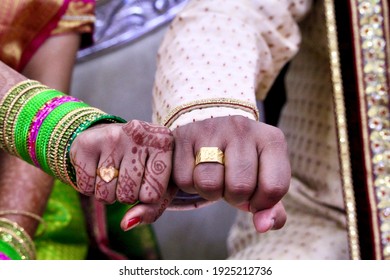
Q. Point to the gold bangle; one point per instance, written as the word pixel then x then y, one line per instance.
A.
pixel 56 145
pixel 12 113
pixel 17 237
pixel 27 214
pixel 61 163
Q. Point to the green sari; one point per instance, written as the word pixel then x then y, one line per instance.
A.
pixel 66 234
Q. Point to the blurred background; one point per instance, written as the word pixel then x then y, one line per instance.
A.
pixel 116 74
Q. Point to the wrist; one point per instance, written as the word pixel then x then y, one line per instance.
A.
pixel 38 125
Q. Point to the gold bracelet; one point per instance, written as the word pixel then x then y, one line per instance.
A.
pixel 27 214
pixel 17 237
pixel 12 113
pixel 56 147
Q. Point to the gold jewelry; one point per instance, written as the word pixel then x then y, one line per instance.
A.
pixel 17 237
pixel 209 154
pixel 27 214
pixel 107 173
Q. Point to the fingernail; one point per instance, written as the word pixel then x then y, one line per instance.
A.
pixel 271 226
pixel 132 223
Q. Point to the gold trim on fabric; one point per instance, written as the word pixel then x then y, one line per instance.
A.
pixel 342 130
pixel 371 51
pixel 207 103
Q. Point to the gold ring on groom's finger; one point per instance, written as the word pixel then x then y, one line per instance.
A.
pixel 107 173
pixel 209 154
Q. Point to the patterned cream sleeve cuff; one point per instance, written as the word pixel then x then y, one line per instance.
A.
pixel 219 56
pixel 209 108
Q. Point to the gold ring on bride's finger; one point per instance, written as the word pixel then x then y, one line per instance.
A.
pixel 107 173
pixel 209 154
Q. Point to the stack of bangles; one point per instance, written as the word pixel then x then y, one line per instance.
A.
pixel 15 243
pixel 38 125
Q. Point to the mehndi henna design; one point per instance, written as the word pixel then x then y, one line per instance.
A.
pixel 126 188
pixel 85 182
pixel 147 135
pixel 155 141
pixel 158 166
pixel 143 173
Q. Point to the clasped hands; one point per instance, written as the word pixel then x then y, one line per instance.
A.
pixel 141 162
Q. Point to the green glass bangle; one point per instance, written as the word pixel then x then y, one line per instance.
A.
pixel 9 251
pixel 10 116
pixel 102 119
pixel 26 117
pixel 47 128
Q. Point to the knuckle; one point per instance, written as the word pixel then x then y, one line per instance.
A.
pixel 150 198
pixel 276 135
pixel 240 121
pixel 241 124
pixel 113 134
pixel 125 200
pixel 209 185
pixel 241 188
pixel 275 192
pixel 85 191
pixel 110 200
pixel 125 195
pixel 183 181
pixel 182 177
pixel 106 200
pixel 82 140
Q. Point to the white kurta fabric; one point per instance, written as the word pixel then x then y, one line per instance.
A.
pixel 224 49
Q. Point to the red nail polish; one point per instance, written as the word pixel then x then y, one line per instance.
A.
pixel 132 223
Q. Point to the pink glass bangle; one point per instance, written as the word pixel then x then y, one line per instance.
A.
pixel 4 257
pixel 38 120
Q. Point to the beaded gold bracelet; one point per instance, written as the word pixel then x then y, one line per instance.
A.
pixel 61 163
pixel 31 215
pixel 15 240
pixel 11 113
pixel 56 151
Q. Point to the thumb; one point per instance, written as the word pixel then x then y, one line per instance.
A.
pixel 270 219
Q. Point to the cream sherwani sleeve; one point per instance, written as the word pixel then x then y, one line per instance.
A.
pixel 219 56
